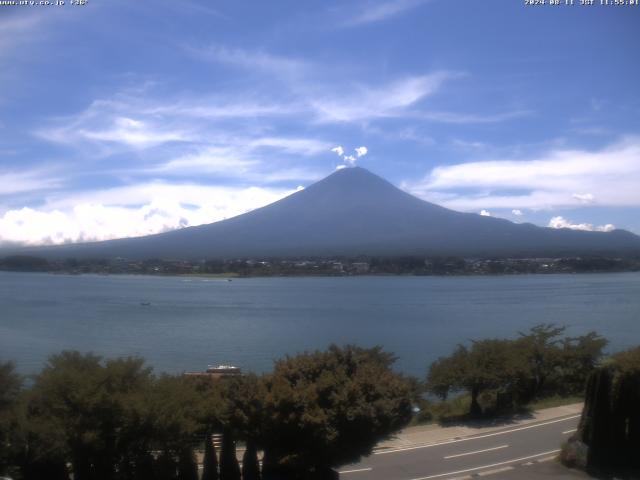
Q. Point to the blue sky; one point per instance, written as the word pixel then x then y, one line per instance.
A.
pixel 125 118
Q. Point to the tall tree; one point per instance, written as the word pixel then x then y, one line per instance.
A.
pixel 166 467
pixel 328 408
pixel 187 465
pixel 85 404
pixel 539 362
pixel 242 411
pixel 229 468
pixel 540 347
pixel 210 461
pixel 488 364
pixel 580 356
pixel 250 464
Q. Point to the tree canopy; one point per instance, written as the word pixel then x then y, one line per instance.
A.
pixel 537 363
pixel 331 407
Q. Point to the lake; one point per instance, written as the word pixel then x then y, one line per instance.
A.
pixel 180 323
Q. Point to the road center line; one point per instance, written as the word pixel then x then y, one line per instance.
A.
pixel 447 442
pixel 570 431
pixel 477 451
pixel 486 466
pixel 356 470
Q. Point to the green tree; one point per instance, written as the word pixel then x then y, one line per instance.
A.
pixel 172 409
pixel 242 405
pixel 328 408
pixel 86 406
pixel 540 362
pixel 580 356
pixel 554 364
pixel 487 364
pixel 446 373
pixel 540 347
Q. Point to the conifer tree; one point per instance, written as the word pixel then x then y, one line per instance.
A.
pixel 210 462
pixel 229 468
pixel 250 465
pixel 166 467
pixel 187 465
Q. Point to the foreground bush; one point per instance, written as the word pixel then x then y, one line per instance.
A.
pixel 101 419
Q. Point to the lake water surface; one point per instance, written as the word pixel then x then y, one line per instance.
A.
pixel 180 323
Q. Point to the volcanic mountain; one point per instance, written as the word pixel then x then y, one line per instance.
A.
pixel 354 212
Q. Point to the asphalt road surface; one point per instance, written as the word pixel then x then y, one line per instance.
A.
pixel 494 452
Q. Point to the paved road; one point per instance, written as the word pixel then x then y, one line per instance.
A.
pixel 494 452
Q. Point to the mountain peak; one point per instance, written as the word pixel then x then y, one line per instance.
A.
pixel 353 173
pixel 355 212
pixel 355 181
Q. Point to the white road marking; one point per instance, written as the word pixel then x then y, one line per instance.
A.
pixel 570 431
pixel 477 451
pixel 355 471
pixel 486 466
pixel 404 449
pixel 494 471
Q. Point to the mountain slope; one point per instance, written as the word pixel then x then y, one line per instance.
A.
pixel 353 212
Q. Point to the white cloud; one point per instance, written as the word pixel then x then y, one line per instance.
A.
pixel 361 151
pixel 35 180
pixel 207 160
pixel 470 118
pixel 485 213
pixel 134 133
pixel 213 145
pixel 297 146
pixel 355 103
pixel 378 11
pixel 226 161
pixel 561 222
pixel 252 60
pixel 350 159
pixel 367 103
pixel 112 122
pixel 517 212
pixel 130 211
pixel 340 167
pixel 584 197
pixel 218 108
pixel 611 175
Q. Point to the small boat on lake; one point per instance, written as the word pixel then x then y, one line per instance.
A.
pixel 217 371
pixel 224 370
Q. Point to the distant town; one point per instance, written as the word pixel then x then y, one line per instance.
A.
pixel 407 265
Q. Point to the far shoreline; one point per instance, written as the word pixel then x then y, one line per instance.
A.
pixel 234 276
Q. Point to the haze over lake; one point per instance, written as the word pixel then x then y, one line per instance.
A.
pixel 180 323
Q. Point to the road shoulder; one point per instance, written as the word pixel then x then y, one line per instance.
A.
pixel 432 433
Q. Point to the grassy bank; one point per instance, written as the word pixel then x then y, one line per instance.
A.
pixel 457 409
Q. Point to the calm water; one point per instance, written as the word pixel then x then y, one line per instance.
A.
pixel 192 322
